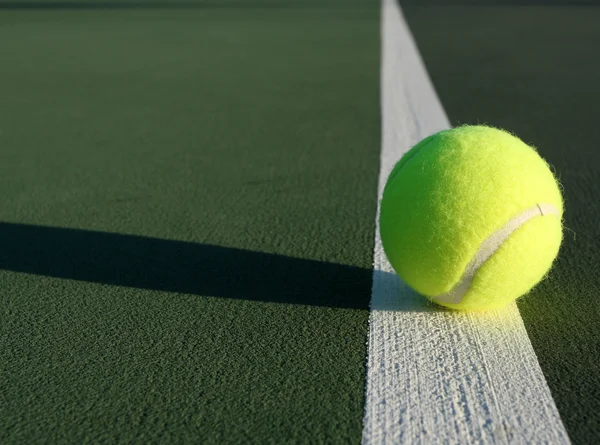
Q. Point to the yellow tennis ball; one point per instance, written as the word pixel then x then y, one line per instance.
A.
pixel 471 218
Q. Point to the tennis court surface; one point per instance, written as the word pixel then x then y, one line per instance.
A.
pixel 188 242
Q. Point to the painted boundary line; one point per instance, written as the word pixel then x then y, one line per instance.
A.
pixel 434 376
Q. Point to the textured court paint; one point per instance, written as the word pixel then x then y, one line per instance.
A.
pixel 436 376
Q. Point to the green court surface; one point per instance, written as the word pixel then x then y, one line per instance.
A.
pixel 188 195
pixel 187 222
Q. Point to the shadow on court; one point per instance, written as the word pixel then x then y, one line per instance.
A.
pixel 174 266
pixel 191 268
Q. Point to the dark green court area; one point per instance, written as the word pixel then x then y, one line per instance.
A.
pixel 186 219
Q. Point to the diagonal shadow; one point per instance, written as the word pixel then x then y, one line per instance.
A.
pixel 183 267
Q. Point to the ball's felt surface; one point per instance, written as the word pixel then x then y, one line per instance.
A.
pixel 471 217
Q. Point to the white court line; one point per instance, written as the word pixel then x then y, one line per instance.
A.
pixel 434 376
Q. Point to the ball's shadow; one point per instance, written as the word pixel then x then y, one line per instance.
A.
pixel 181 267
pixel 199 269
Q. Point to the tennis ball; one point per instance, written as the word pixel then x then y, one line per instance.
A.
pixel 471 218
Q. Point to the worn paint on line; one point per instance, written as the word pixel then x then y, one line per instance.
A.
pixel 434 375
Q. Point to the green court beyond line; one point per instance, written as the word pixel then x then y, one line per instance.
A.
pixel 187 221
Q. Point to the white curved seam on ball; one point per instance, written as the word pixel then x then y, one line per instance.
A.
pixel 489 246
